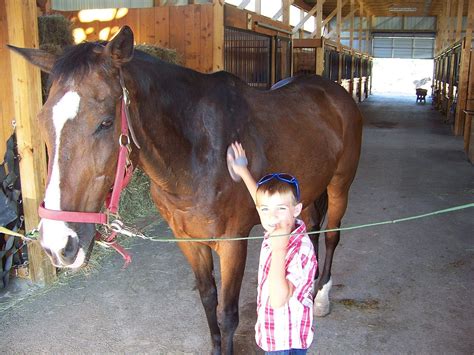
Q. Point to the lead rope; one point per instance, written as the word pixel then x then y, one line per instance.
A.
pixel 118 227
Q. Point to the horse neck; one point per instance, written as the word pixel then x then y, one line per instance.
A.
pixel 161 107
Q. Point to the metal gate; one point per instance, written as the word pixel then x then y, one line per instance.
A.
pixel 331 64
pixel 248 56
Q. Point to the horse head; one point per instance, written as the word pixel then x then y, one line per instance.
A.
pixel 80 123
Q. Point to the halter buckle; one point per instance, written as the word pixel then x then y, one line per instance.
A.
pixel 126 95
pixel 125 143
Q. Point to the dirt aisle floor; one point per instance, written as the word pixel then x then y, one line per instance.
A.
pixel 401 288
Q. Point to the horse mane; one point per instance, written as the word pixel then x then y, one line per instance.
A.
pixel 77 60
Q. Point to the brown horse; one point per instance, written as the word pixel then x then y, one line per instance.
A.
pixel 184 121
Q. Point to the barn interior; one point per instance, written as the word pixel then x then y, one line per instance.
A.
pixel 416 55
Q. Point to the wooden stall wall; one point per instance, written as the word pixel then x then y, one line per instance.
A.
pixel 7 111
pixel 188 29
pixel 446 81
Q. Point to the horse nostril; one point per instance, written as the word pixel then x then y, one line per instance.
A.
pixel 71 248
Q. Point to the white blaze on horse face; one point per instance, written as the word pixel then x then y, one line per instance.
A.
pixel 55 233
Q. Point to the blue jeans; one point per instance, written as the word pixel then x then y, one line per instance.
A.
pixel 288 352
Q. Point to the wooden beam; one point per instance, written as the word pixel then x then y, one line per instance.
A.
pixel 319 17
pixel 361 11
pixel 338 30
pixel 243 4
pixel 351 29
pixel 464 80
pixel 459 20
pixel 334 12
pixel 310 13
pixel 26 83
pixel 367 32
pixel 284 11
pixel 448 29
pixel 258 6
pixel 218 35
pixel 7 110
pixel 330 16
pixel 343 20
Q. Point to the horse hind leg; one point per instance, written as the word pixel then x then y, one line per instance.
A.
pixel 337 203
pixel 200 258
pixel 314 214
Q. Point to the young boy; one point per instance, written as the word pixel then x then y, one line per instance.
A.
pixel 287 262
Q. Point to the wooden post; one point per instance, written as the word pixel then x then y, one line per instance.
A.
pixel 286 11
pixel 7 111
pixel 459 121
pixel 320 58
pixel 338 24
pixel 359 37
pixel 218 35
pixel 468 124
pixel 319 18
pixel 450 78
pixel 286 20
pixel 351 29
pixel 26 83
pixel 258 7
pixel 273 61
pixel 367 32
pixel 459 20
pixel 448 23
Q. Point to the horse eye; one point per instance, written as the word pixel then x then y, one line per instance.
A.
pixel 106 124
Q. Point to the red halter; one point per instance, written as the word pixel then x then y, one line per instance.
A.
pixel 122 178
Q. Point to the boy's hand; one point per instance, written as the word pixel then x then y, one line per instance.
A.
pixel 279 238
pixel 239 160
pixel 278 241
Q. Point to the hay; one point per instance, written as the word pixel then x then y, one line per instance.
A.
pixel 54 35
pixel 168 55
pixel 136 202
pixel 55 30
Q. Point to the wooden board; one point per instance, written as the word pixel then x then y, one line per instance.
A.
pixel 188 29
pixel 7 112
pixel 26 84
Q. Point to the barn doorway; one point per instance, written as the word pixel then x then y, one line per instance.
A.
pixel 397 76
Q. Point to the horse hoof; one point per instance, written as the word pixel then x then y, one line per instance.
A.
pixel 321 301
pixel 321 309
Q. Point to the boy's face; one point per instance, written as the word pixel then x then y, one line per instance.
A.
pixel 278 212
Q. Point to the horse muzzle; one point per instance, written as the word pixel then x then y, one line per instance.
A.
pixel 66 245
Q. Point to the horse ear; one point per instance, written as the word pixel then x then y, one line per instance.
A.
pixel 38 57
pixel 120 48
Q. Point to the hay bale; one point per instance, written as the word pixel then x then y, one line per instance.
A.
pixel 55 30
pixel 54 35
pixel 168 55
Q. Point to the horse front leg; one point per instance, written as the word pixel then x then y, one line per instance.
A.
pixel 199 257
pixel 337 204
pixel 232 256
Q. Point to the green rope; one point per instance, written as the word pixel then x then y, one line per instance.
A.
pixel 222 239
pixel 32 234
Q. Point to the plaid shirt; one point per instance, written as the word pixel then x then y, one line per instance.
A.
pixel 290 326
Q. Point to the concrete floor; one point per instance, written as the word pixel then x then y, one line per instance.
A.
pixel 401 288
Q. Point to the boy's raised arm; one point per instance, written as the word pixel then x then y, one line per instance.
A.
pixel 239 165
